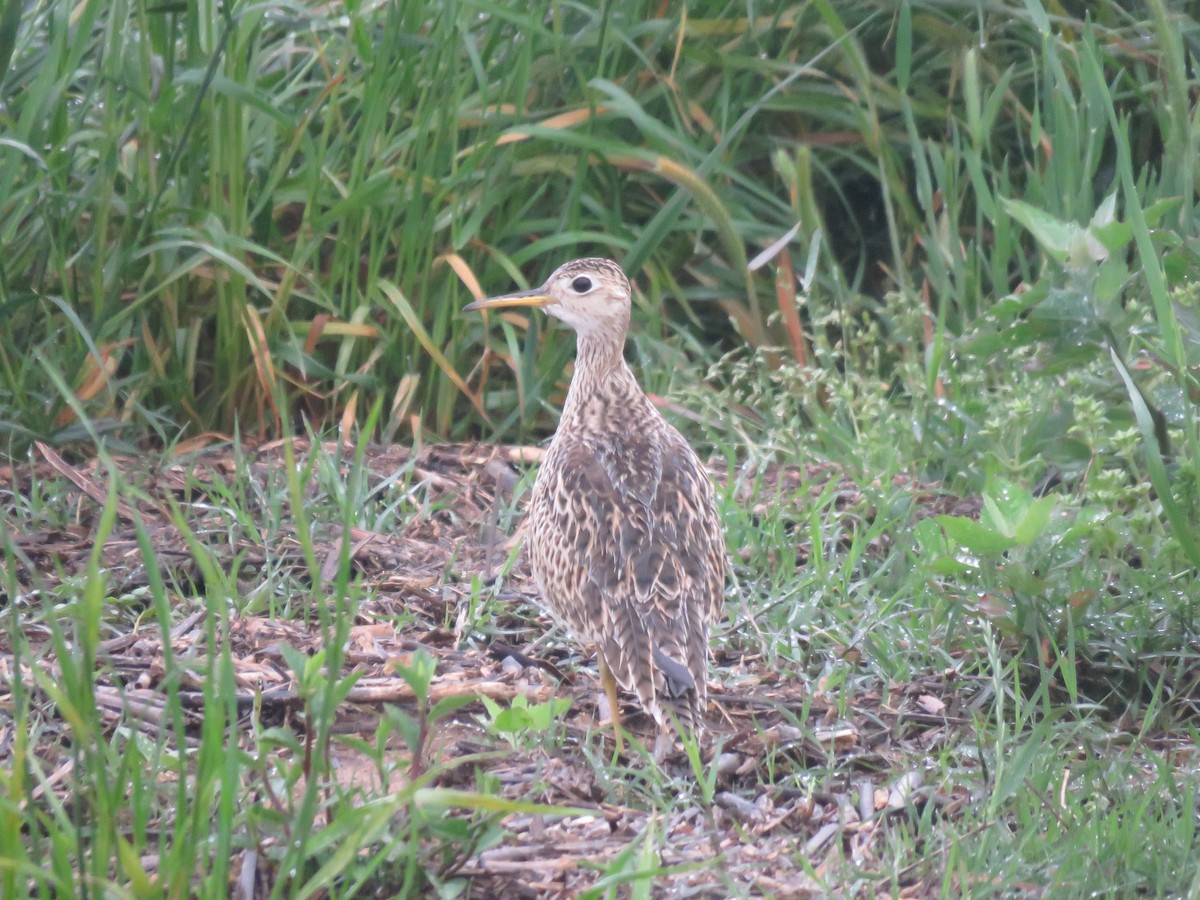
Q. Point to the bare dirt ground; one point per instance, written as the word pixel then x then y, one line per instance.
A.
pixel 775 832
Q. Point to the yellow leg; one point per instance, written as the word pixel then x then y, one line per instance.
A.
pixel 609 682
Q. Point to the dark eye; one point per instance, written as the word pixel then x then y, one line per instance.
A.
pixel 581 285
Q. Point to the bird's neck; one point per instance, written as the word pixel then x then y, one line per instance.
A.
pixel 600 372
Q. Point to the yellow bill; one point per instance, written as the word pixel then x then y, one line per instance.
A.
pixel 520 298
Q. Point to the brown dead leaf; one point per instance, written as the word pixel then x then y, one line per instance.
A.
pixel 931 704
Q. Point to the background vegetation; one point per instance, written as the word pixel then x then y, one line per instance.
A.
pixel 955 241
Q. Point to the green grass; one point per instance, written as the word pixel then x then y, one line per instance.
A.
pixel 956 409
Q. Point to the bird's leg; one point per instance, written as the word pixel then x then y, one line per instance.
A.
pixel 609 682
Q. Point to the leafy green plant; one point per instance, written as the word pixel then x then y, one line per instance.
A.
pixel 237 234
pixel 523 723
pixel 1012 552
pixel 1011 517
pixel 417 729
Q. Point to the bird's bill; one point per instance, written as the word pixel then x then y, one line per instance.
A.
pixel 520 298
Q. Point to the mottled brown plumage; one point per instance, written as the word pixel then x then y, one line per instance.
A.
pixel 624 537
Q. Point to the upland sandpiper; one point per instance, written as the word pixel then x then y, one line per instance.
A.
pixel 623 535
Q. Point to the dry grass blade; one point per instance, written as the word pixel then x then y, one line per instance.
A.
pixel 81 481
pixel 407 313
pixel 264 368
pixel 785 294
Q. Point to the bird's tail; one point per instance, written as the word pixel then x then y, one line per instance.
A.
pixel 679 694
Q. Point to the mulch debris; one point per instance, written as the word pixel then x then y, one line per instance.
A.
pixel 804 784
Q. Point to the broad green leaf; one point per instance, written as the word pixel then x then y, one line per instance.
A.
pixel 996 518
pixel 1055 235
pixel 1033 523
pixel 974 537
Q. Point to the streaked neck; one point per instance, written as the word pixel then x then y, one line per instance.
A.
pixel 599 368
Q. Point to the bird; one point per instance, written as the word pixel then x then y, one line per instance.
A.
pixel 624 537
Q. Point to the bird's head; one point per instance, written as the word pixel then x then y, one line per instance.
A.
pixel 590 295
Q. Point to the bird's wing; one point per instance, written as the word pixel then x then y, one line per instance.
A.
pixel 647 542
